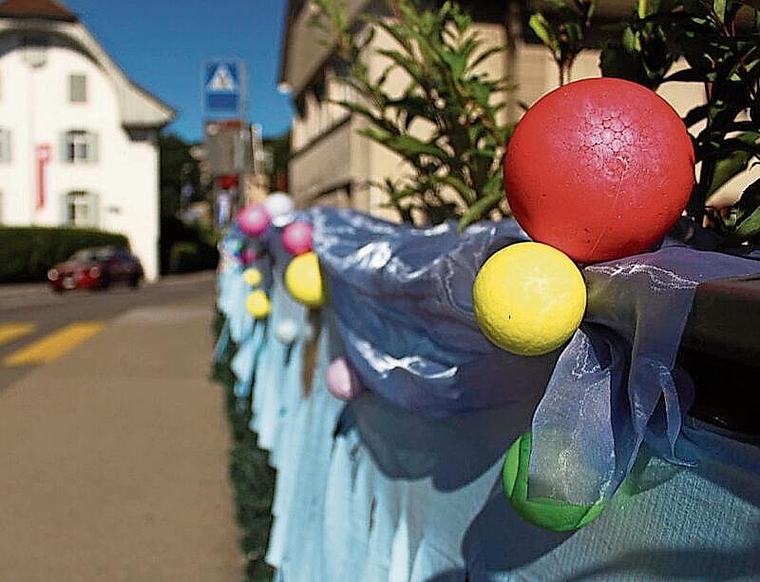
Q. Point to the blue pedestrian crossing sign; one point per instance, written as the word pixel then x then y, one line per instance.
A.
pixel 223 88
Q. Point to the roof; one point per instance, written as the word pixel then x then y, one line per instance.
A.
pixel 45 9
pixel 138 108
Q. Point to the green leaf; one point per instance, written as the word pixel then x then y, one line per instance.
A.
pixel 728 167
pixel 719 7
pixel 410 146
pixel 685 76
pixel 541 27
pixel 464 190
pixel 481 207
pixel 456 62
pixel 750 226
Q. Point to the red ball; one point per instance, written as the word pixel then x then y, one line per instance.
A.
pixel 599 168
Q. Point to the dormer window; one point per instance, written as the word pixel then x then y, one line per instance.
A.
pixel 34 50
pixel 77 88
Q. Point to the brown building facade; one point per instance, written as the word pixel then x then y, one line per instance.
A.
pixel 332 164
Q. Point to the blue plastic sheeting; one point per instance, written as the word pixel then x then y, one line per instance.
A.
pixel 403 483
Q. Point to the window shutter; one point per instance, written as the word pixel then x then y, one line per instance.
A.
pixel 63 143
pixel 5 145
pixel 93 201
pixel 94 153
pixel 63 210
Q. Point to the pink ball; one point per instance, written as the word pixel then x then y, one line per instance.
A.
pixel 296 237
pixel 342 381
pixel 248 256
pixel 253 219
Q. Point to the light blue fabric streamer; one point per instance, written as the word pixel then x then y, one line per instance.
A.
pixel 300 558
pixel 270 379
pixel 241 322
pixel 336 535
pixel 387 511
pixel 222 342
pixel 289 407
pixel 243 363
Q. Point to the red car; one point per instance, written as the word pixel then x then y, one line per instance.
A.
pixel 96 268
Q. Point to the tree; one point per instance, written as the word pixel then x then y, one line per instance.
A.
pixel 178 170
pixel 279 147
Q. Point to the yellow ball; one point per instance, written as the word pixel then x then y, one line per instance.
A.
pixel 252 276
pixel 529 298
pixel 257 304
pixel 303 280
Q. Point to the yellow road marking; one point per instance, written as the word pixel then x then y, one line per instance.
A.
pixel 54 345
pixel 12 331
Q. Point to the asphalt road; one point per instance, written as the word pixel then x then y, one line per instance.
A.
pixel 38 306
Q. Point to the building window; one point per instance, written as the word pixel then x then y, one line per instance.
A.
pixel 80 209
pixel 5 145
pixel 34 49
pixel 77 89
pixel 80 146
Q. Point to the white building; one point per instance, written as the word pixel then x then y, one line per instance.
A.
pixel 78 139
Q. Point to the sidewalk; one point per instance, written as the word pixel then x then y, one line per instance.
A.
pixel 113 460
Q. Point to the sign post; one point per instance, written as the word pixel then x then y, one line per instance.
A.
pixel 224 107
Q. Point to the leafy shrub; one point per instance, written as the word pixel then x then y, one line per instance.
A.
pixel 26 253
pixel 251 476
pixel 185 248
pixel 455 171
pixel 187 256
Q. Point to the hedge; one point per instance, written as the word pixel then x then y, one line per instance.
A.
pixel 26 253
pixel 251 476
pixel 186 257
pixel 185 247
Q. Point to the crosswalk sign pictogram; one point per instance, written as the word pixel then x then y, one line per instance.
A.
pixel 222 88
pixel 222 80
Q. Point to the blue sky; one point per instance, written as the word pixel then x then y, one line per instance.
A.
pixel 163 45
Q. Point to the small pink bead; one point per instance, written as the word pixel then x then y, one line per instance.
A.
pixel 296 237
pixel 248 256
pixel 253 220
pixel 342 381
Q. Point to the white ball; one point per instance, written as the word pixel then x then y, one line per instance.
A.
pixel 286 331
pixel 278 204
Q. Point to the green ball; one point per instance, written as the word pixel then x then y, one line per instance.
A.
pixel 544 512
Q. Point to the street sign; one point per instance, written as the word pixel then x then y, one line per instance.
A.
pixel 224 88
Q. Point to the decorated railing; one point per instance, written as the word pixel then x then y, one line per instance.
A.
pixel 390 442
pixel 417 434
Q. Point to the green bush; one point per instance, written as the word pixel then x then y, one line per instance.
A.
pixel 185 248
pixel 26 253
pixel 186 257
pixel 251 476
